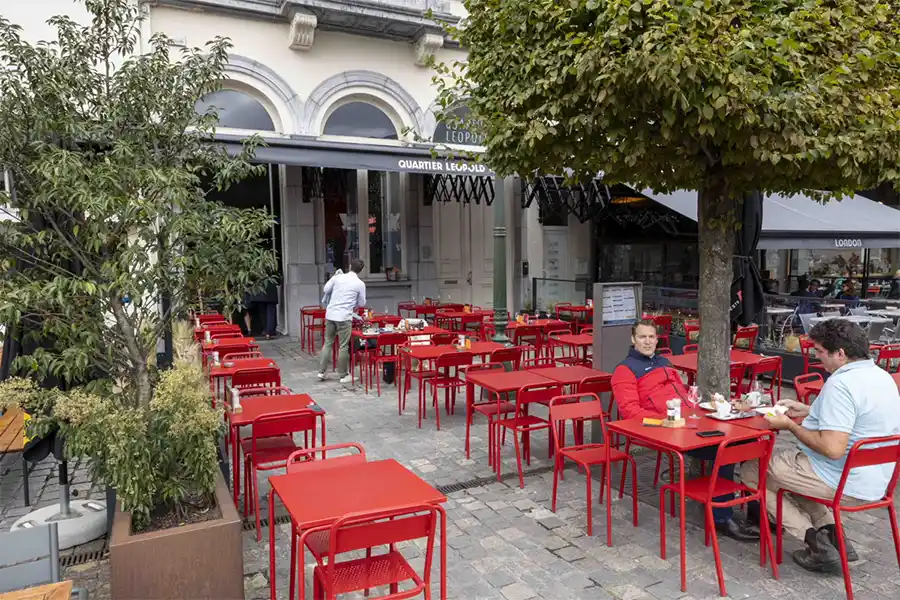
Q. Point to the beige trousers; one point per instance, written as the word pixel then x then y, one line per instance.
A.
pixel 790 469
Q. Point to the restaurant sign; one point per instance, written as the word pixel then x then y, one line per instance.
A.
pixel 443 166
pixel 458 132
pixel 848 243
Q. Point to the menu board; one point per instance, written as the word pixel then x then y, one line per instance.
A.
pixel 619 305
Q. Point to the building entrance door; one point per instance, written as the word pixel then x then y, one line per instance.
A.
pixel 464 239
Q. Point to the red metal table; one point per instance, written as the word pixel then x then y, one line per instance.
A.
pixel 321 496
pixel 678 442
pixel 255 407
pixel 580 314
pixel 572 375
pixel 454 317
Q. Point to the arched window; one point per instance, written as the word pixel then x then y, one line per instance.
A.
pixel 237 110
pixel 359 119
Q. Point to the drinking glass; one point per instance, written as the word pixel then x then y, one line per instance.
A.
pixel 693 399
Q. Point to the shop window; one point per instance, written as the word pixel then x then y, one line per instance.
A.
pixel 339 195
pixel 360 119
pixel 237 110
pixel 385 250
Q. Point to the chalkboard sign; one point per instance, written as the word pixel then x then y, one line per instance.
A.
pixel 458 133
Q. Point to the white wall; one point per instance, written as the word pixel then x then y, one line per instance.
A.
pixel 32 16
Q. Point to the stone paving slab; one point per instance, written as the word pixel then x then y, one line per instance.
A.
pixel 504 543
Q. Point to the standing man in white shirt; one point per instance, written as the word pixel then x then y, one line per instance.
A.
pixel 344 294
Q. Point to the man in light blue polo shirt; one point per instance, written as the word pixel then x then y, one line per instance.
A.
pixel 859 401
pixel 345 293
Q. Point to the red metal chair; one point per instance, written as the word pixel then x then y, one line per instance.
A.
pixel 557 306
pixel 704 489
pixel 407 309
pixel 771 365
pixel 365 531
pixel 537 363
pixel 215 328
pixel 493 408
pixel 598 385
pixel 864 453
pixel 524 424
pixel 279 390
pixel 888 357
pixel 224 335
pixel 225 348
pixel 573 408
pixel 315 323
pixel 808 385
pixel 241 355
pixel 745 338
pixel 448 369
pixel 512 355
pixel 738 373
pixel 530 337
pixel 691 331
pixel 664 352
pixel 663 329
pixel 409 373
pixel 209 318
pixel 568 355
pixel 488 330
pixel 690 349
pixel 807 352
pixel 444 339
pixel 256 378
pixel 586 330
pixel 471 324
pixel 386 351
pixel 270 445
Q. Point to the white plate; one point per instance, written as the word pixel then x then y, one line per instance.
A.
pixel 706 406
pixel 764 410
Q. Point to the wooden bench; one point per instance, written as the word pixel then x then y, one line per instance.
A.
pixel 12 440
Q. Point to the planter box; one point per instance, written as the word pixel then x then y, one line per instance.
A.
pixel 197 561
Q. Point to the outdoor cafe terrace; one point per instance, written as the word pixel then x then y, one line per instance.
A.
pixel 503 538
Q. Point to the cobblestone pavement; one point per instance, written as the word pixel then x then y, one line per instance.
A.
pixel 504 542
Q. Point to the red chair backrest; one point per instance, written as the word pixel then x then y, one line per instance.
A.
pixel 443 339
pixel 557 330
pixel 452 360
pixel 508 355
pixel 266 376
pixel 277 390
pixel 488 366
pixel 770 364
pixel 887 355
pixel 210 318
pixel 749 334
pixel 663 324
pixel 222 335
pixel 282 423
pixel 559 305
pixel 691 328
pixel 664 352
pixel 598 384
pixel 538 392
pixel 734 452
pixel 389 343
pixel 538 363
pixel 367 530
pixel 241 355
pixel 531 334
pixel 587 330
pixel 574 407
pixel 691 348
pixel 305 460
pixel 226 349
pixel 871 452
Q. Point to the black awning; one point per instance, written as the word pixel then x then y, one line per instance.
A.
pixel 800 222
pixel 313 152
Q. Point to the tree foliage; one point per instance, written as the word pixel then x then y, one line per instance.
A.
pixel 721 96
pixel 110 166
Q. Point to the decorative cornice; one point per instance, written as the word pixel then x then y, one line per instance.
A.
pixel 303 30
pixel 425 47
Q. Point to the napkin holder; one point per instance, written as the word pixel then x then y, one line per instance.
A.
pixel 674 423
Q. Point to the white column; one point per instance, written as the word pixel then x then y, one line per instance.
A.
pixel 300 251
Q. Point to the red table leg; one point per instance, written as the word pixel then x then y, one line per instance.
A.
pixel 272 543
pixel 235 460
pixel 443 552
pixel 681 503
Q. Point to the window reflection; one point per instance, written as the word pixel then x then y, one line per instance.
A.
pixel 360 119
pixel 237 110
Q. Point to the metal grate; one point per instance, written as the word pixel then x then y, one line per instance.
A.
pixel 80 558
pixel 584 200
pixel 459 188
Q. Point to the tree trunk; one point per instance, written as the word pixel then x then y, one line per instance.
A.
pixel 140 372
pixel 716 241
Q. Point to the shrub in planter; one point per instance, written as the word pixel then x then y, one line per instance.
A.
pixel 160 460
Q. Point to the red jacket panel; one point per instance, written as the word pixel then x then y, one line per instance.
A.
pixel 646 396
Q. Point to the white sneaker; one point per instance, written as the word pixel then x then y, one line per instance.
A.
pixel 321 376
pixel 347 379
